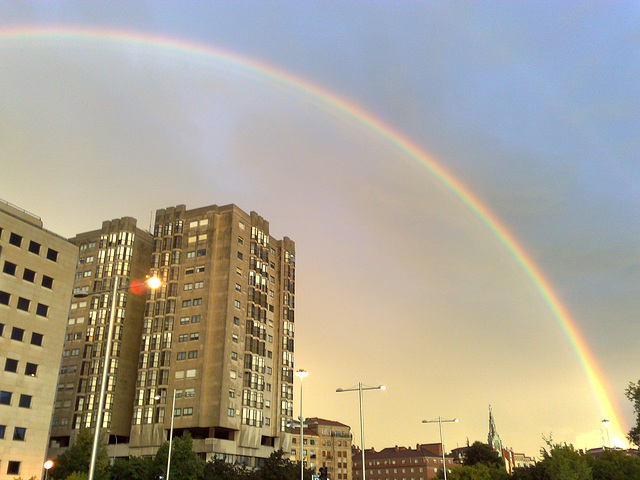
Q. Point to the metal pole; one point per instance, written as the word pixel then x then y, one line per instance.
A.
pixel 301 435
pixel 173 411
pixel 105 376
pixel 444 465
pixel 361 430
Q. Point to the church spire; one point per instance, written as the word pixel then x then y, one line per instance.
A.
pixel 493 437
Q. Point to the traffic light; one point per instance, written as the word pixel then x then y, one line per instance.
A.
pixel 323 473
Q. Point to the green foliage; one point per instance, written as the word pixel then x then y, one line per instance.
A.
pixel 478 471
pixel 633 394
pixel 563 462
pixel 221 470
pixel 279 467
pixel 614 465
pixel 133 468
pixel 185 463
pixel 482 453
pixel 77 459
pixel 77 476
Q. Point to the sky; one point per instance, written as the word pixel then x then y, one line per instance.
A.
pixel 448 171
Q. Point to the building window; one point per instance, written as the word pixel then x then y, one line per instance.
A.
pixel 17 334
pixel 181 356
pixel 47 282
pixel 42 310
pixel 19 434
pixel 197 301
pixel 31 369
pixel 186 303
pixel 25 401
pixel 190 373
pixel 188 286
pixel 34 247
pixel 234 338
pixel 15 239
pixel 3 428
pixel 236 303
pixel 238 287
pixel 29 275
pixel 195 319
pixel 234 355
pixel 240 256
pixel 4 298
pixel 9 268
pixel 236 321
pixel 52 255
pixel 231 412
pixel 5 398
pixel 194 335
pixel 11 365
pixel 197 285
pixel 13 467
pixel 193 354
pixel 183 337
pixel 187 411
pixel 191 254
pixel 23 304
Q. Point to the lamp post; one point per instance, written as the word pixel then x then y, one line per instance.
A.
pixel 360 389
pixel 606 423
pixel 173 414
pixel 47 466
pixel 153 282
pixel 440 421
pixel 301 374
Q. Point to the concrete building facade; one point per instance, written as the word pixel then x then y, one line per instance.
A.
pixel 118 249
pixel 218 336
pixel 36 282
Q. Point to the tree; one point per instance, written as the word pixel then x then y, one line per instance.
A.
pixel 185 464
pixel 633 394
pixel 614 465
pixel 482 453
pixel 479 471
pixel 279 467
pixel 132 468
pixel 563 462
pixel 77 459
pixel 221 470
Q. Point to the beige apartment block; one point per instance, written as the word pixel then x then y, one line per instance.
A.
pixel 118 249
pixel 326 443
pixel 36 281
pixel 218 336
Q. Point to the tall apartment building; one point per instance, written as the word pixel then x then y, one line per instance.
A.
pixel 119 249
pixel 327 443
pixel 36 281
pixel 218 336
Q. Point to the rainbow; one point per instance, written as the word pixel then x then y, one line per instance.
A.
pixel 338 106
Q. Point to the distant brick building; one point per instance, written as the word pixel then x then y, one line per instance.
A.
pixel 401 463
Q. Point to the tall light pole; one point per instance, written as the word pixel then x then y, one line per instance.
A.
pixel 360 390
pixel 47 466
pixel 173 415
pixel 301 374
pixel 440 422
pixel 606 423
pixel 153 282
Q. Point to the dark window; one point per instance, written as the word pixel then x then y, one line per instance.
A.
pixel 47 282
pixel 202 253
pixel 1 329
pixel 5 398
pixel 36 339
pixel 3 428
pixel 4 298
pixel 31 369
pixel 13 468
pixel 240 256
pixel 25 401
pixel 19 433
pixel 34 247
pixel 29 275
pixel 9 268
pixel 11 365
pixel 52 255
pixel 23 304
pixel 42 310
pixel 15 239
pixel 17 334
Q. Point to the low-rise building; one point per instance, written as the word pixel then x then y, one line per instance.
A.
pixel 401 463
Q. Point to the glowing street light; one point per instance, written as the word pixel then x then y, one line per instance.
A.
pixel 153 282
pixel 47 466
pixel 360 390
pixel 440 421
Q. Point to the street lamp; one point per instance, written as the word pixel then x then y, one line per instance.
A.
pixel 153 282
pixel 47 466
pixel 301 374
pixel 440 421
pixel 606 423
pixel 360 390
pixel 173 412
